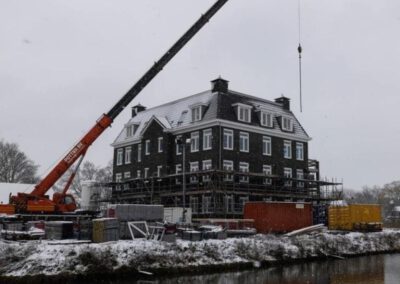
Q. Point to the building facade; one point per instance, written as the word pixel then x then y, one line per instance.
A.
pixel 213 151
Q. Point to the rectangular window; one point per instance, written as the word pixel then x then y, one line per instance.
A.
pixel 206 166
pixel 146 172
pixel 139 152
pixel 287 123
pixel 266 145
pixel 242 202
pixel 128 154
pixel 196 113
pixel 228 167
pixel 206 204
pixel 299 151
pixel 300 175
pixel 138 173
pixel 244 168
pixel 178 170
pixel 194 167
pixel 194 141
pixel 147 147
pixel 267 170
pixel 159 168
pixel 288 174
pixel 207 134
pixel 130 130
pixel 118 178
pixel 266 119
pixel 127 175
pixel 287 149
pixel 160 144
pixel 228 200
pixel 120 153
pixel 244 142
pixel 228 139
pixel 244 114
pixel 194 204
pixel 178 146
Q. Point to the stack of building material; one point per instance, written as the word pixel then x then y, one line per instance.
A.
pixel 191 235
pixel 85 229
pixel 134 212
pixel 105 230
pixel 175 215
pixel 13 226
pixel 278 217
pixel 359 217
pixel 58 230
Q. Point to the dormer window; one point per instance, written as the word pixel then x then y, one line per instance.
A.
pixel 243 112
pixel 196 113
pixel 266 119
pixel 131 129
pixel 287 123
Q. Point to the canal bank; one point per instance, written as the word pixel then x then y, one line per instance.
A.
pixel 47 261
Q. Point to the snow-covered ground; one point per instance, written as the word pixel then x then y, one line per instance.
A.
pixel 52 258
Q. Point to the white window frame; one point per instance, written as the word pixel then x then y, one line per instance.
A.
pixel 147 147
pixel 207 139
pixel 194 204
pixel 299 151
pixel 139 152
pixel 130 130
pixel 138 174
pixel 178 170
pixel 266 119
pixel 244 113
pixel 244 168
pixel 194 167
pixel 300 175
pixel 206 165
pixel 206 204
pixel 118 178
pixel 127 175
pixel 178 146
pixel 287 123
pixel 287 149
pixel 159 168
pixel 244 142
pixel 228 139
pixel 288 173
pixel 194 142
pixel 228 166
pixel 120 156
pixel 146 172
pixel 267 146
pixel 267 170
pixel 242 201
pixel 197 113
pixel 160 144
pixel 229 203
pixel 128 155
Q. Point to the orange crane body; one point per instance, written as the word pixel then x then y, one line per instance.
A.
pixel 37 201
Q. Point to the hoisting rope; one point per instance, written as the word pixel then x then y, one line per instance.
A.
pixel 300 49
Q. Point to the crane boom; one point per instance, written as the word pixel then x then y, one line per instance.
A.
pixel 106 119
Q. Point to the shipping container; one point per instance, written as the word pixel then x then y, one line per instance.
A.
pixel 278 217
pixel 355 217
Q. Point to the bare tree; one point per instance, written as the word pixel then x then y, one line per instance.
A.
pixel 15 166
pixel 89 171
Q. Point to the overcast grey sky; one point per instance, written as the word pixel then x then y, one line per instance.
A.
pixel 64 63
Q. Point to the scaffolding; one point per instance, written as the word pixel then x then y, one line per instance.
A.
pixel 219 193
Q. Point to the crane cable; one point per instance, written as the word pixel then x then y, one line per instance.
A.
pixel 299 50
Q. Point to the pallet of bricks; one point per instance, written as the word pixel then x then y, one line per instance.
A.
pixel 105 230
pixel 59 230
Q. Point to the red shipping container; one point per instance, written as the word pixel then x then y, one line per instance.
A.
pixel 278 217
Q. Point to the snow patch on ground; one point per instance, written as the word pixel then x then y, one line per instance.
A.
pixel 50 258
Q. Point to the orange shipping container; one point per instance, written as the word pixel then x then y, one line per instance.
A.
pixel 278 217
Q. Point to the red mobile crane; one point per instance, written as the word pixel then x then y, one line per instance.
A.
pixel 37 201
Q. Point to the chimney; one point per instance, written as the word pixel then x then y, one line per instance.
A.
pixel 137 108
pixel 219 85
pixel 284 101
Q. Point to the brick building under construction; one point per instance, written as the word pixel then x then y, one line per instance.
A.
pixel 213 151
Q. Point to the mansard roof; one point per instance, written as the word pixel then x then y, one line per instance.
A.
pixel 176 116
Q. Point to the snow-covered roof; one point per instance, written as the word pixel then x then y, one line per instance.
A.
pixel 177 114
